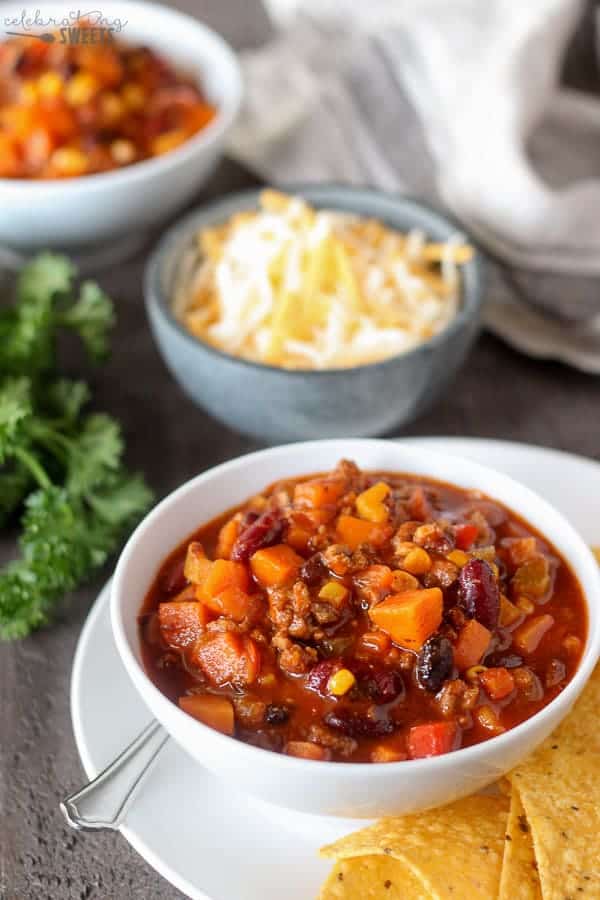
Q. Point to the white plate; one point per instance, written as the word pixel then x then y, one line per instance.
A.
pixel 212 843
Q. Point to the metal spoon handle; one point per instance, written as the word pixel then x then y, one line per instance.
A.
pixel 102 803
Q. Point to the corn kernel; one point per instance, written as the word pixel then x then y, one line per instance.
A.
pixel 29 93
pixel 525 605
pixel 473 672
pixel 458 557
pixel 168 141
pixel 50 85
pixel 369 504
pixel 333 590
pixel 111 106
pixel 123 152
pixel 417 562
pixel 341 682
pixel 133 96
pixel 81 88
pixel 403 581
pixel 69 161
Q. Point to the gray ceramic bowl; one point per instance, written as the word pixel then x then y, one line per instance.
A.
pixel 275 404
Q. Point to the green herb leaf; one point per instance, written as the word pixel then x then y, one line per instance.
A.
pixel 92 317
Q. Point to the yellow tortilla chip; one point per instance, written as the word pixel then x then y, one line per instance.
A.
pixel 372 878
pixel 559 787
pixel 520 879
pixel 455 852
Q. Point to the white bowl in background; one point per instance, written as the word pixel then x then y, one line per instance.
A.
pixel 361 790
pixel 78 212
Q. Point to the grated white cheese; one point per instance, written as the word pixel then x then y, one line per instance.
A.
pixel 301 288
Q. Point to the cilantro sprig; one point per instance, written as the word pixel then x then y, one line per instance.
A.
pixel 61 465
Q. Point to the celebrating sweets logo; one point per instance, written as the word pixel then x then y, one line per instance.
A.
pixel 77 27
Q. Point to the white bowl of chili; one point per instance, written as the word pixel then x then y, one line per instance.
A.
pixel 76 213
pixel 368 789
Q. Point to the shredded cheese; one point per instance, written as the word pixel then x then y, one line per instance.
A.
pixel 299 288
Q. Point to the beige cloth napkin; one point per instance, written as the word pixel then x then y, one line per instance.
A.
pixel 455 101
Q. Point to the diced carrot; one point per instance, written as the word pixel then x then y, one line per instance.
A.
pixel 473 640
pixel 234 603
pixel 465 535
pixel 432 739
pixel 196 564
pixel 273 566
pixel 227 658
pixel 410 617
pixel 217 712
pixel 527 637
pixel 222 574
pixel 182 623
pixel 306 750
pixel 498 683
pixel 227 538
pixel 319 492
pixel 353 532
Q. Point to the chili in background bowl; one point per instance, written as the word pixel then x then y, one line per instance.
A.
pixel 277 404
pixel 83 211
pixel 330 788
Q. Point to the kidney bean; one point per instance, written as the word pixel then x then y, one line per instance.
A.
pixel 276 715
pixel 313 570
pixel 357 724
pixel 478 593
pixel 434 663
pixel 264 532
pixel 382 685
pixel 318 677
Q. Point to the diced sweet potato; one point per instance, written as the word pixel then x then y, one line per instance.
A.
pixel 222 574
pixel 182 622
pixel 217 712
pixel 227 658
pixel 234 603
pixel 306 750
pixel 298 537
pixel 410 617
pixel 273 566
pixel 432 739
pixel 528 636
pixel 509 613
pixel 196 564
pixel 319 492
pixel 227 538
pixel 353 532
pixel 473 640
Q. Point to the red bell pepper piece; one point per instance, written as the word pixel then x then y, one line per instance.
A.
pixel 465 535
pixel 432 739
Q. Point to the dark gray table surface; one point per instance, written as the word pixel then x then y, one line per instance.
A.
pixel 499 394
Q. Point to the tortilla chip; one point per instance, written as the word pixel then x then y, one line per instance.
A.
pixel 455 852
pixel 559 787
pixel 520 879
pixel 372 878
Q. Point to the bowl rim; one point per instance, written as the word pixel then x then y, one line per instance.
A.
pixel 143 683
pixel 216 48
pixel 157 302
